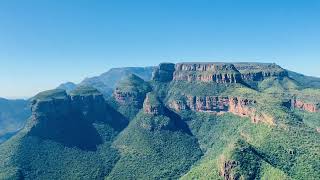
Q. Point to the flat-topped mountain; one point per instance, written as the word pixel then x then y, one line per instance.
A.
pixel 185 121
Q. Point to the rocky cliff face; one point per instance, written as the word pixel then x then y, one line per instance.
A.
pixel 299 104
pixel 260 71
pixel 124 97
pixel 164 72
pixel 219 104
pixel 68 118
pixel 207 72
pixel 226 170
pixel 217 72
pixel 152 105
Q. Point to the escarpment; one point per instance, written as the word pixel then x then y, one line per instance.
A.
pixel 207 72
pixel 260 71
pixel 164 72
pixel 222 104
pixel 217 72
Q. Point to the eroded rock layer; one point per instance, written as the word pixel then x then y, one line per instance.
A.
pixel 152 105
pixel 207 72
pixel 299 104
pixel 164 72
pixel 221 104
pixel 260 71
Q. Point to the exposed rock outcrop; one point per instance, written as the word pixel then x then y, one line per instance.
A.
pixel 299 104
pixel 207 72
pixel 128 98
pixel 164 72
pixel 217 72
pixel 152 105
pixel 260 71
pixel 219 104
pixel 226 170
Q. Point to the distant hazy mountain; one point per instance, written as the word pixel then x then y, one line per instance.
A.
pixel 13 114
pixel 68 86
pixel 106 82
pixel 305 81
pixel 190 121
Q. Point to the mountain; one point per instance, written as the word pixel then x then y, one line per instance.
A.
pixel 190 121
pixel 13 114
pixel 305 81
pixel 68 86
pixel 106 82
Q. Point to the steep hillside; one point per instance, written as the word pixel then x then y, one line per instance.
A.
pixel 156 144
pixel 67 136
pixel 281 144
pixel 13 114
pixel 129 95
pixel 305 81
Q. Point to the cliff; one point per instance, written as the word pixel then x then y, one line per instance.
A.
pixel 300 104
pixel 68 119
pixel 164 72
pixel 217 72
pixel 260 71
pixel 219 104
pixel 207 72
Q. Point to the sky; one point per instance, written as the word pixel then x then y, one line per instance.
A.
pixel 47 42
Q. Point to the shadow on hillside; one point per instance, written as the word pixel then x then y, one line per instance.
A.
pixel 180 124
pixel 115 119
pixel 72 131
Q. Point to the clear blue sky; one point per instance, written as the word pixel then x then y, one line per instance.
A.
pixel 46 42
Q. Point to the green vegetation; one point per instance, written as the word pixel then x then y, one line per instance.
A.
pixel 134 84
pixel 305 81
pixel 84 91
pixel 107 81
pixel 149 154
pixel 50 94
pixel 90 138
pixel 13 114
pixel 136 89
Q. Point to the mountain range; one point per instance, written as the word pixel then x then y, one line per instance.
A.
pixel 210 120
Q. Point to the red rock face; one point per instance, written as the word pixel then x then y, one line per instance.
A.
pixel 219 104
pixel 304 106
pixel 208 103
